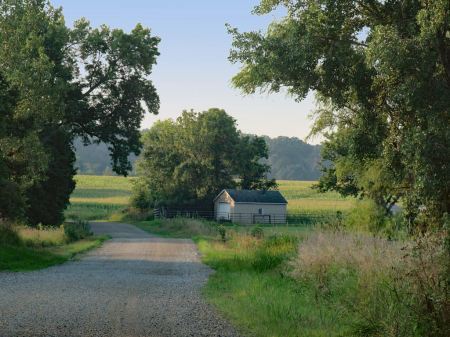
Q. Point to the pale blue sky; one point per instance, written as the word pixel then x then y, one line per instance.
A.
pixel 193 71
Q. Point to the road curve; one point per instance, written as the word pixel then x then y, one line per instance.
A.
pixel 136 284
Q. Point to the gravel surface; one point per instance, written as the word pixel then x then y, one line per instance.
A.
pixel 136 284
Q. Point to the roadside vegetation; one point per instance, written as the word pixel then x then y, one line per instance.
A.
pixel 24 248
pixel 366 275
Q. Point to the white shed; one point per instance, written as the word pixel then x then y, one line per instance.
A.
pixel 250 206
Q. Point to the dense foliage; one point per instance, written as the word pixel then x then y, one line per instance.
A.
pixel 56 84
pixel 190 160
pixel 387 94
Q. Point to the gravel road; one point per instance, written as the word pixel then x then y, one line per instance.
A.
pixel 136 284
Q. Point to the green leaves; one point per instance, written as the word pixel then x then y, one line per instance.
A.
pixel 62 83
pixel 190 160
pixel 382 74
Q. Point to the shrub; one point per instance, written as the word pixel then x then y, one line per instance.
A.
pixel 257 232
pixel 74 231
pixel 222 232
pixel 9 233
pixel 366 216
pixel 395 228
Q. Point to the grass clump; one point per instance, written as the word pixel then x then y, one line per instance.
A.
pixel 42 237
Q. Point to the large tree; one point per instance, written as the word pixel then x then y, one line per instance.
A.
pixel 382 72
pixel 67 83
pixel 190 160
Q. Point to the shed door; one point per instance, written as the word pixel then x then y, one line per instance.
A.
pixel 224 211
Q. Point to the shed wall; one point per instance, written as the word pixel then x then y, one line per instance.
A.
pixel 223 198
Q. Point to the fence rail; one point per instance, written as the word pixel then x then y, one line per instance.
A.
pixel 249 218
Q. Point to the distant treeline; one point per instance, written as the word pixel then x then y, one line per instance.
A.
pixel 95 160
pixel 293 159
pixel 290 158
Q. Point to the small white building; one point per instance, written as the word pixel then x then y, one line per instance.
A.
pixel 250 206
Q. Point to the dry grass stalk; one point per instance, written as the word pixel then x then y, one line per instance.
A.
pixel 42 237
pixel 326 250
pixel 393 287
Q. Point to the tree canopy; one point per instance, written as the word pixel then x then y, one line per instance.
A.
pixel 188 161
pixel 60 83
pixel 382 74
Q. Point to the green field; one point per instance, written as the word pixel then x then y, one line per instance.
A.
pixel 303 199
pixel 98 197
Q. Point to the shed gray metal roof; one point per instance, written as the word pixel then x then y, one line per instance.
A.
pixel 255 196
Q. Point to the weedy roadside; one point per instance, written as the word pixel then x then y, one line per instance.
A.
pixel 25 248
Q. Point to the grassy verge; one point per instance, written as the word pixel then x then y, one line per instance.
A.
pixel 23 258
pixel 326 282
pixel 24 248
pixel 251 289
pixel 250 286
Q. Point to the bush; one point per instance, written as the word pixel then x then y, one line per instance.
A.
pixel 257 232
pixel 366 216
pixel 222 232
pixel 9 233
pixel 74 231
pixel 395 228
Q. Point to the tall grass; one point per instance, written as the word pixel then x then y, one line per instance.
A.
pixel 35 237
pixel 381 287
pixel 23 248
